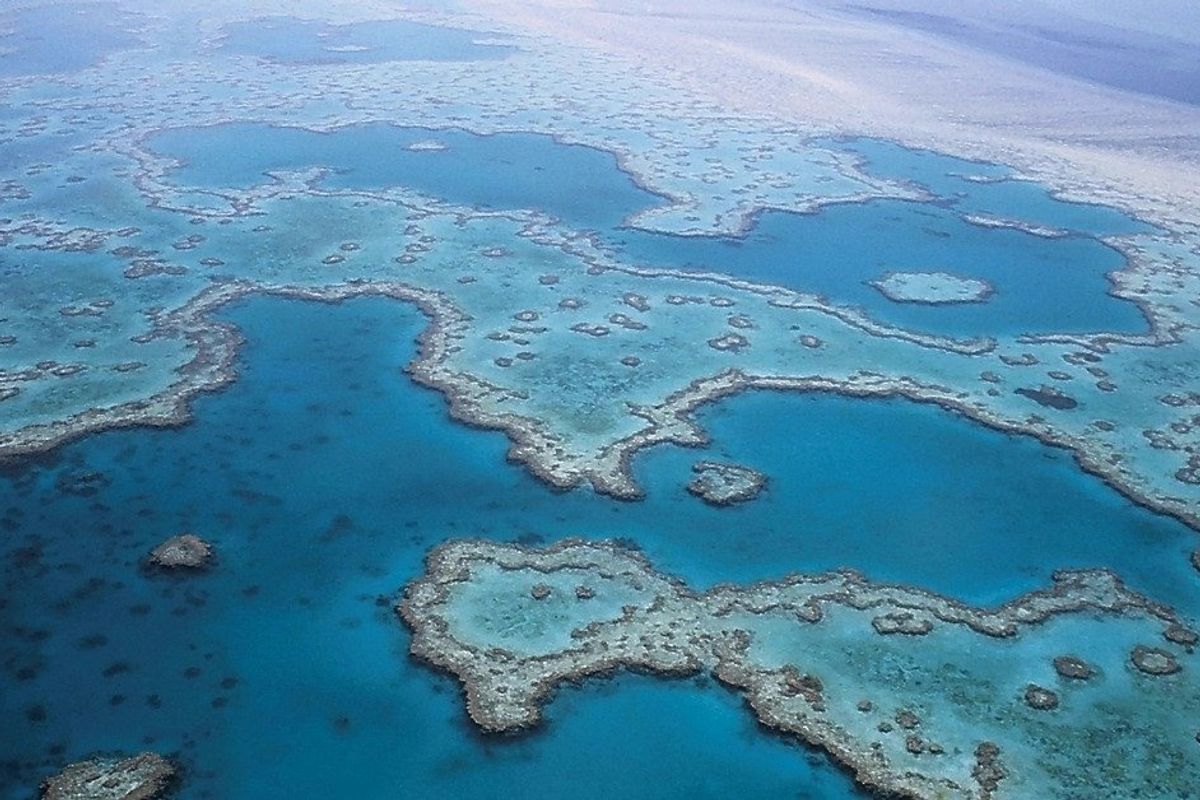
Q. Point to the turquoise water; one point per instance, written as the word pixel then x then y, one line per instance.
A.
pixel 19 152
pixel 580 185
pixel 62 38
pixel 323 476
pixel 911 494
pixel 288 40
pixel 1042 285
pixel 947 177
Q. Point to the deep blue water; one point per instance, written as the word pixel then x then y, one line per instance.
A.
pixel 1042 285
pixel 51 39
pixel 912 494
pixel 289 40
pixel 323 476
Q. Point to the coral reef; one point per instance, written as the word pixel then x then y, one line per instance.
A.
pixel 187 551
pixel 145 776
pixel 932 288
pixel 723 484
pixel 960 707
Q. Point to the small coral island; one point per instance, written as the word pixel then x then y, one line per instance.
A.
pixel 724 484
pixel 145 776
pixel 932 288
pixel 186 551
pixel 427 146
pixel 917 694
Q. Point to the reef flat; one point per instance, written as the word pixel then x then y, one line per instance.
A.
pixel 918 695
pixel 933 288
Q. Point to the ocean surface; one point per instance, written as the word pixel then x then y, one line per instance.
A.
pixel 1054 39
pixel 323 476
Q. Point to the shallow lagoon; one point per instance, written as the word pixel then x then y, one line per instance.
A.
pixel 54 39
pixel 1042 285
pixel 578 184
pixel 288 40
pixel 324 475
pixel 976 187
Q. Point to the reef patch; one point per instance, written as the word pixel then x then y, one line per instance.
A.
pixel 145 776
pixel 932 288
pixel 187 551
pixel 722 484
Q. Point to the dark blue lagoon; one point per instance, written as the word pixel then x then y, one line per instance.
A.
pixel 913 494
pixel 1042 284
pixel 288 40
pixel 323 476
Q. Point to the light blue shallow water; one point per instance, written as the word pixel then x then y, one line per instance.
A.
pixel 45 39
pixel 950 179
pixel 578 184
pixel 289 40
pixel 1042 285
pixel 323 476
